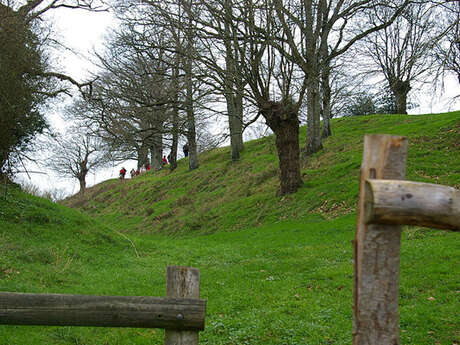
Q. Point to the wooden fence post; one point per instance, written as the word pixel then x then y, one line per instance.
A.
pixel 377 250
pixel 182 282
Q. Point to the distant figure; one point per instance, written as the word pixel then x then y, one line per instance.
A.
pixel 143 169
pixel 169 158
pixel 164 160
pixel 185 149
pixel 148 167
pixel 138 172
pixel 122 173
pixel 132 172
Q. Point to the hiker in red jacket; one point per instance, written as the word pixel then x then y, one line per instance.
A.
pixel 122 173
pixel 165 161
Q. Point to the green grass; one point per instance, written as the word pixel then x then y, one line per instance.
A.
pixel 274 270
pixel 221 196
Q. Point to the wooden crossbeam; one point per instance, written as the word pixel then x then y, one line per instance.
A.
pixel 101 311
pixel 411 203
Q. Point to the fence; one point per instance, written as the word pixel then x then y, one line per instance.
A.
pixel 385 203
pixel 181 313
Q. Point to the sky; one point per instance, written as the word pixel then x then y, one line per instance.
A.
pixel 84 31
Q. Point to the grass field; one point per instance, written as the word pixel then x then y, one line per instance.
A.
pixel 274 270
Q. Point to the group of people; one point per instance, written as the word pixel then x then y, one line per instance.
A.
pixel 146 167
pixel 143 169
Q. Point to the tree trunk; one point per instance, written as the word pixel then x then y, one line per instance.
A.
pixel 400 90
pixel 142 155
pixel 282 118
pixel 401 103
pixel 82 181
pixel 81 175
pixel 236 127
pixel 327 132
pixel 313 141
pixel 326 87
pixel 191 129
pixel 312 73
pixel 234 100
pixel 175 142
pixel 191 138
pixel 175 118
pixel 156 151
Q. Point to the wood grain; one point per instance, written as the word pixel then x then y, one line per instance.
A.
pixel 101 311
pixel 182 282
pixel 377 250
pixel 412 203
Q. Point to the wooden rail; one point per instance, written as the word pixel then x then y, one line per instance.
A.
pixel 411 203
pixel 386 202
pixel 180 313
pixel 101 311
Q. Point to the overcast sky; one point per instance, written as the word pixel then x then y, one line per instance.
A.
pixel 84 31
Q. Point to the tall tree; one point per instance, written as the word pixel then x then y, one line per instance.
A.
pixel 188 83
pixel 175 20
pixel 27 80
pixel 220 33
pixel 318 31
pixel 130 103
pixel 273 81
pixel 447 47
pixel 401 52
pixel 20 90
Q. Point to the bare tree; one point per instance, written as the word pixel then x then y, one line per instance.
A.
pixel 447 47
pixel 75 154
pixel 274 82
pixel 130 106
pixel 318 31
pixel 218 32
pixel 402 52
pixel 175 21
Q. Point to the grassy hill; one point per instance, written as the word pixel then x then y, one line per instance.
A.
pixel 274 270
pixel 225 196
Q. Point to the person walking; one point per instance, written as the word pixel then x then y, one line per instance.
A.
pixel 185 149
pixel 122 173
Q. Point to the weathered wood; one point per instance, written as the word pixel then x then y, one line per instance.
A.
pixel 414 203
pixel 377 249
pixel 182 282
pixel 101 311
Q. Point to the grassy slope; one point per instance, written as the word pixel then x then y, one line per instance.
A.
pixel 288 281
pixel 225 196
